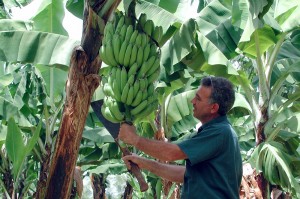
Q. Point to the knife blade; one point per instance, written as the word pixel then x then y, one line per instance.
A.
pixel 113 129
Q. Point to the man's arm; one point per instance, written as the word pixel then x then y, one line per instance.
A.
pixel 164 151
pixel 174 173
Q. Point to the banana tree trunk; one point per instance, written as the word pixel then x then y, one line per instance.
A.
pixel 262 183
pixel 81 84
pixel 98 185
pixel 82 81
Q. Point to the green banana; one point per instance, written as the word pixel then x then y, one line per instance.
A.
pixel 117 93
pixel 112 75
pixel 139 107
pixel 133 55
pixel 129 32
pixel 129 98
pixel 136 87
pixel 144 68
pixel 142 19
pixel 138 40
pixel 114 109
pixel 131 46
pixel 154 67
pixel 107 37
pixel 116 85
pixel 120 23
pixel 118 78
pixel 133 69
pixel 127 55
pixel 154 76
pixel 145 39
pixel 116 43
pixel 140 54
pixel 150 90
pixel 131 80
pixel 124 79
pixel 133 36
pixel 153 50
pixel 148 27
pixel 111 79
pixel 125 93
pixel 145 94
pixel 122 52
pixel 107 90
pixel 110 54
pixel 152 60
pixel 144 113
pixel 109 28
pixel 137 99
pixel 143 83
pixel 161 32
pixel 123 32
pixel 146 52
pixel 103 55
pixel 116 18
pixel 157 33
pixel 108 115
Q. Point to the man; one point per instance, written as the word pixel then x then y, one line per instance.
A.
pixel 213 161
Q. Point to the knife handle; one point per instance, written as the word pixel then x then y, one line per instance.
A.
pixel 135 170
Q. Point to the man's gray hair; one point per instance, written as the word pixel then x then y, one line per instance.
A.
pixel 222 92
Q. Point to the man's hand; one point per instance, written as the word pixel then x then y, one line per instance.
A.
pixel 174 173
pixel 128 134
pixel 135 159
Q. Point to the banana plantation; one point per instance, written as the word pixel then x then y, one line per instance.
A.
pixel 143 59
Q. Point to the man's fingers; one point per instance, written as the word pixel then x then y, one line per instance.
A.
pixel 126 161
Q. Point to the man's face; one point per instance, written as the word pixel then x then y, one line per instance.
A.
pixel 203 109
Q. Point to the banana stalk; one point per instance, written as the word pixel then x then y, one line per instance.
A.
pixel 274 53
pixel 263 86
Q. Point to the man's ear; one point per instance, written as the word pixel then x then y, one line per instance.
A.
pixel 215 108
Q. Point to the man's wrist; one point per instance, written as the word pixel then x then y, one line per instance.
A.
pixel 136 141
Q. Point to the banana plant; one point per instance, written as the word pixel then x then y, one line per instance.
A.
pixel 264 45
pixel 255 46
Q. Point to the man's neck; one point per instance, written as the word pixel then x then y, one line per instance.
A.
pixel 211 117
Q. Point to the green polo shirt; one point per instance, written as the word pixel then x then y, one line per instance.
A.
pixel 214 164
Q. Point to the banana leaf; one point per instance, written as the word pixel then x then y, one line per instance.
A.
pixel 13 24
pixel 180 114
pixel 98 135
pixel 49 17
pixel 36 48
pixel 274 161
pixel 17 150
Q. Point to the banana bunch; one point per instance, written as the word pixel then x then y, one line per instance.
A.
pixel 154 32
pixel 130 49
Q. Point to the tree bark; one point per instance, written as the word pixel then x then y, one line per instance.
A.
pixel 80 87
pixel 83 79
pixel 262 183
pixel 98 185
pixel 128 192
pixel 41 185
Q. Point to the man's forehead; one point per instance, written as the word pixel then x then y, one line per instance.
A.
pixel 204 91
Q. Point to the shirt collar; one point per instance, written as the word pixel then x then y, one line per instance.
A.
pixel 213 121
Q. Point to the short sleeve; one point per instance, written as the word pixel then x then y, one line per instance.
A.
pixel 203 146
